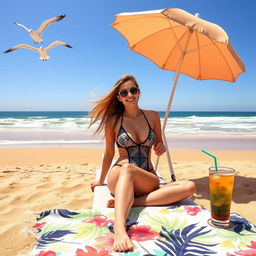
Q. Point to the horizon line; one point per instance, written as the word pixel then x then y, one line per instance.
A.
pixel 155 110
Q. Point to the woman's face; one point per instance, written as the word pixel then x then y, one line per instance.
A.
pixel 128 93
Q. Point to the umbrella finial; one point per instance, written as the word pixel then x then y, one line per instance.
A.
pixel 197 15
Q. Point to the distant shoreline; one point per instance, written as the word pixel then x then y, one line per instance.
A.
pixel 184 130
pixel 82 140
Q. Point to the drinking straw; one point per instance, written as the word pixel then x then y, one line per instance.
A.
pixel 214 157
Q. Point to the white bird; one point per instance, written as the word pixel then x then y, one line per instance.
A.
pixel 41 50
pixel 36 34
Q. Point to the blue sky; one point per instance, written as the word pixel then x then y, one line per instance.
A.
pixel 73 77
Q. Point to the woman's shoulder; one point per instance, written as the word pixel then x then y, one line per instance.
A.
pixel 150 113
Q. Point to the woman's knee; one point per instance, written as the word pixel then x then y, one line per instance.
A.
pixel 189 187
pixel 126 169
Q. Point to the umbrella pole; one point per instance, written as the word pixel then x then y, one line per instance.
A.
pixel 165 121
pixel 168 110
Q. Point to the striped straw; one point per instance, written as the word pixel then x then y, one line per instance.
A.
pixel 214 157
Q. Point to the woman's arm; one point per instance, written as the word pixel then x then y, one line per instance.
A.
pixel 109 151
pixel 159 147
pixel 108 154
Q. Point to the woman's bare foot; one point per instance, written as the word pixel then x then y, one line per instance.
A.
pixel 122 242
pixel 111 203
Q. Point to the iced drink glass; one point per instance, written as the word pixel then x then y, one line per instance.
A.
pixel 221 189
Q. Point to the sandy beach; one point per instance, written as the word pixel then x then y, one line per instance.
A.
pixel 37 179
pixel 182 59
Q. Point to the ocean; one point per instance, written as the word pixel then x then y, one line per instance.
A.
pixel 70 128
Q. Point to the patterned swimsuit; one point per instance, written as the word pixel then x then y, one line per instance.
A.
pixel 138 153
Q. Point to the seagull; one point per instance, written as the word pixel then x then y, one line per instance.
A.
pixel 41 50
pixel 36 34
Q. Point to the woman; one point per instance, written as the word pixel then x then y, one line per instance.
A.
pixel 132 179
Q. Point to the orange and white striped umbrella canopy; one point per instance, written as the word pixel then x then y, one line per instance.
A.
pixel 171 36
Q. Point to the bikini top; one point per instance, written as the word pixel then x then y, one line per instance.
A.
pixel 125 141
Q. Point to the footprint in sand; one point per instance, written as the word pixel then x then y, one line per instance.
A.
pixel 27 176
pixel 2 197
pixel 13 185
pixel 35 197
pixel 17 200
pixel 45 186
pixel 67 189
pixel 45 179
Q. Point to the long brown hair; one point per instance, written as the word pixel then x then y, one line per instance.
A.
pixel 109 106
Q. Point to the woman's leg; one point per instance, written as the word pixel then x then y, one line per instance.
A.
pixel 126 182
pixel 166 194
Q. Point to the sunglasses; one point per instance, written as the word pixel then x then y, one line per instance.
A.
pixel 124 93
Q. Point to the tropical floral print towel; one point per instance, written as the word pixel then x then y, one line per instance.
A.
pixel 157 231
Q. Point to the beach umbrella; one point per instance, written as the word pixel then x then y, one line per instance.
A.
pixel 179 41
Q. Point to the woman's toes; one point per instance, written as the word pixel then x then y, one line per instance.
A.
pixel 130 246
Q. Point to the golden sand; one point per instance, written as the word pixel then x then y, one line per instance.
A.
pixel 37 179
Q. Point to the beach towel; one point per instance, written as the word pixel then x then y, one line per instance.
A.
pixel 172 230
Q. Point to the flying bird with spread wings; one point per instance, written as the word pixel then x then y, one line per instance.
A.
pixel 36 34
pixel 41 50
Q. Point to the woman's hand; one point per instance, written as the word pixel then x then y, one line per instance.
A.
pixel 159 149
pixel 94 184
